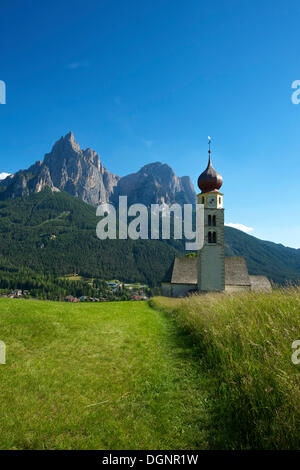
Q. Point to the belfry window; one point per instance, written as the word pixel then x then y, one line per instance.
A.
pixel 214 221
pixel 209 220
pixel 212 237
pixel 203 200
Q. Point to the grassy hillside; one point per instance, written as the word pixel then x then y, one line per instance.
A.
pixel 56 233
pixel 97 376
pixel 244 343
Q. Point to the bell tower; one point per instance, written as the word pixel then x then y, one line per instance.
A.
pixel 211 257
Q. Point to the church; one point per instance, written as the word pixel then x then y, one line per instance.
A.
pixel 210 270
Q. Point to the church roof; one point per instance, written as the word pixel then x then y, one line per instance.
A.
pixel 210 179
pixel 260 283
pixel 236 272
pixel 184 271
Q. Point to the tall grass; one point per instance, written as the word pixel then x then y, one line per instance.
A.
pixel 244 342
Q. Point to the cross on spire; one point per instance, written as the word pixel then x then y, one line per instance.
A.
pixel 209 150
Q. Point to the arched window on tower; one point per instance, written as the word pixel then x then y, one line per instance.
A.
pixel 214 220
pixel 212 237
pixel 209 220
pixel 203 200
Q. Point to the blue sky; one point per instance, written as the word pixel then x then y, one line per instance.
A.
pixel 143 81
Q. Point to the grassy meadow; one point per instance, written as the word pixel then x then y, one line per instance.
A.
pixel 115 375
pixel 244 343
pixel 205 372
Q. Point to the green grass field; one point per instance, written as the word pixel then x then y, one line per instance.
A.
pixel 206 372
pixel 114 375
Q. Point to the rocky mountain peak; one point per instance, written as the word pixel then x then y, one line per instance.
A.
pixel 80 173
pixel 156 183
pixel 65 147
pixel 158 170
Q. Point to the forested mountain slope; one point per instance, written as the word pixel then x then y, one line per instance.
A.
pixel 54 232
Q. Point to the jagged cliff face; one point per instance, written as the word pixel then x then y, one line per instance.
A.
pixel 80 173
pixel 155 183
pixel 66 168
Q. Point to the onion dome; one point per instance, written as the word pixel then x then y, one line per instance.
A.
pixel 210 180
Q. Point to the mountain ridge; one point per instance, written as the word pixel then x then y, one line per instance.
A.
pixel 81 173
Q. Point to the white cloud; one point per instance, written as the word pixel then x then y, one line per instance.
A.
pixel 241 227
pixel 3 175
